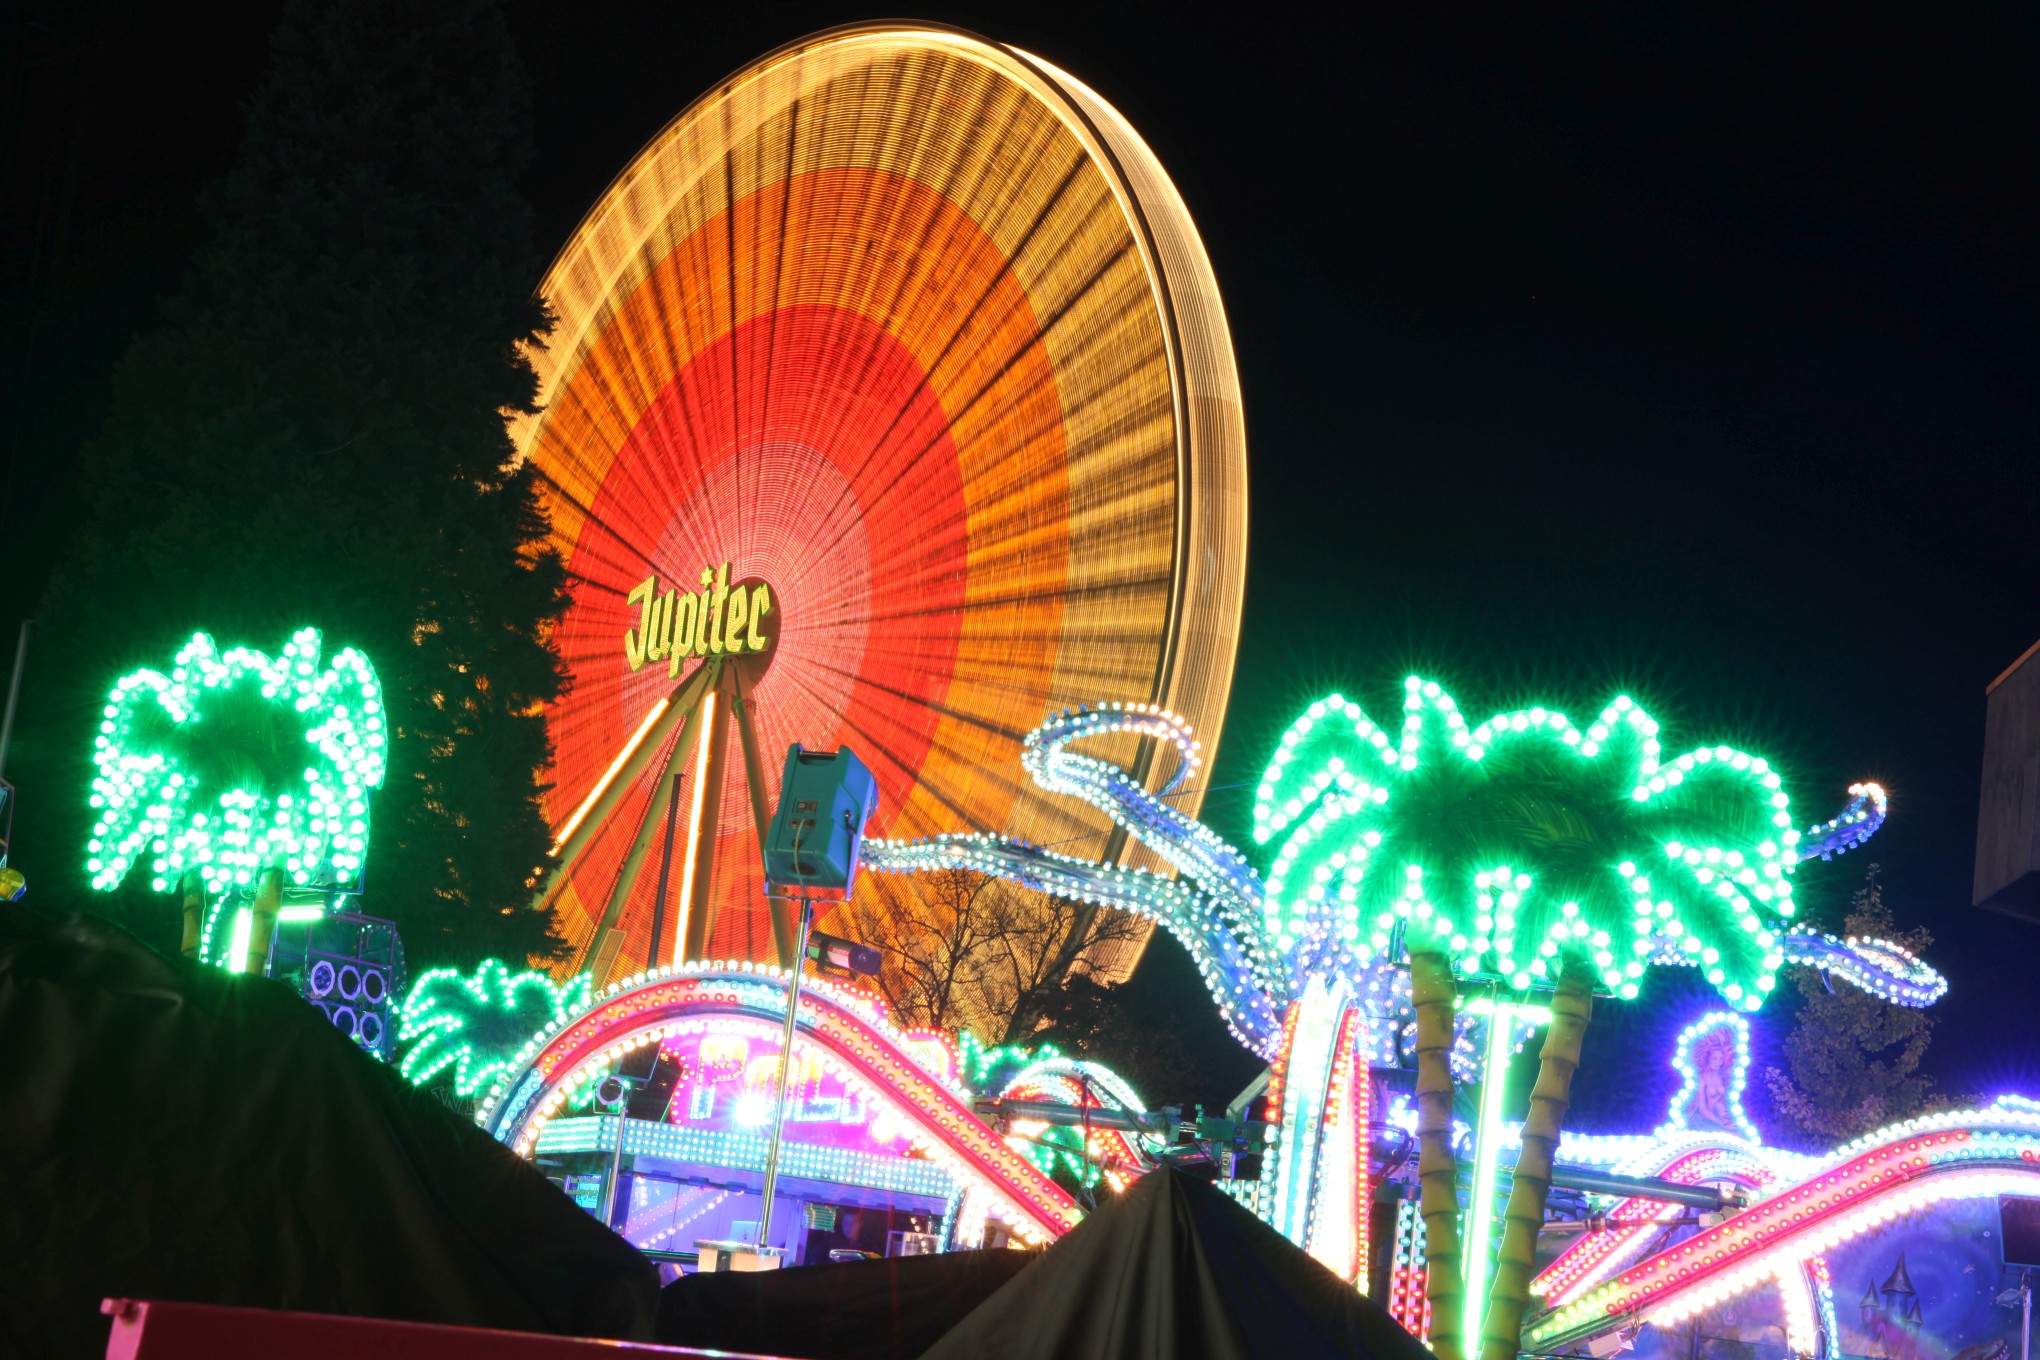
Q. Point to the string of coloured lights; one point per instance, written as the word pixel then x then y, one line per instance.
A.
pixel 236 762
pixel 1210 909
pixel 1508 845
pixel 1409 1303
pixel 475 1023
pixel 848 1033
pixel 1902 1169
pixel 1434 801
pixel 1054 1078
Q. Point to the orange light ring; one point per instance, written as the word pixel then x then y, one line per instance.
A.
pixel 1150 341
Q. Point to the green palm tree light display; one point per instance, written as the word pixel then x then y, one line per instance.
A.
pixel 1521 852
pixel 1527 859
pixel 477 1024
pixel 235 775
pixel 1526 846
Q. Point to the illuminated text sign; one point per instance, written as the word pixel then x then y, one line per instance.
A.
pixel 717 620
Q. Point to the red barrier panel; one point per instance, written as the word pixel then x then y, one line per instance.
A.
pixel 198 1331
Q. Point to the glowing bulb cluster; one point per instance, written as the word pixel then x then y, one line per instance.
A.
pixel 1388 839
pixel 172 779
pixel 1058 1080
pixel 843 1029
pixel 1883 969
pixel 1687 1064
pixel 1899 1170
pixel 1491 841
pixel 477 1023
pixel 1213 908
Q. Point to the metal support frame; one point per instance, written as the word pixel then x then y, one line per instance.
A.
pixel 780 908
pixel 687 740
pixel 672 724
pixel 591 816
pixel 665 864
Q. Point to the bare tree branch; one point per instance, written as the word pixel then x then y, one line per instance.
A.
pixel 970 952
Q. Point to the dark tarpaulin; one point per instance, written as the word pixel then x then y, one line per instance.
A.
pixel 168 1131
pixel 863 1310
pixel 1176 1269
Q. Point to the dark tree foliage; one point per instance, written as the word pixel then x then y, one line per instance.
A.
pixel 1855 1060
pixel 316 434
pixel 1159 1029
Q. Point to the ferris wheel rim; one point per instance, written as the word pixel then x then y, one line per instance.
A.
pixel 1048 83
pixel 1160 627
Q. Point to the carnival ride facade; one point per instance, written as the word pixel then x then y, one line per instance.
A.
pixel 892 404
pixel 1758 1267
pixel 1322 1127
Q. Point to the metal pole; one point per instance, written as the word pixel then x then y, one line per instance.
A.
pixel 14 692
pixel 807 911
pixel 615 1158
pixel 2026 1306
pixel 761 816
pixel 1487 1152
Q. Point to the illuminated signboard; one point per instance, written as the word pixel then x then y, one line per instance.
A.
pixel 719 619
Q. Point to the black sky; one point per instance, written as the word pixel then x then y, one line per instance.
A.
pixel 1684 350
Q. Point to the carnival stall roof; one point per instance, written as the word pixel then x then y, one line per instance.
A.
pixel 171 1131
pixel 1176 1268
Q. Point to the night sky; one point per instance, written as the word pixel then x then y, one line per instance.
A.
pixel 1686 352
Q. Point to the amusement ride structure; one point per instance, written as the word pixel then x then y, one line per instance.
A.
pixel 891 404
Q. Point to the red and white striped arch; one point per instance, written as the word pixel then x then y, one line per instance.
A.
pixel 845 1030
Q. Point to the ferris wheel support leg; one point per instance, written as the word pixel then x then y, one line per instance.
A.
pixel 704 815
pixel 780 909
pixel 608 938
pixel 590 818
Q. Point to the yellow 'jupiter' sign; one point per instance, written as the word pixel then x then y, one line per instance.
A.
pixel 719 619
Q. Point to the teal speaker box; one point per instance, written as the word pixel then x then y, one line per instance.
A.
pixel 825 797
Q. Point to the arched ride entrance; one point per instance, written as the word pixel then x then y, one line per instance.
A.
pixel 880 1112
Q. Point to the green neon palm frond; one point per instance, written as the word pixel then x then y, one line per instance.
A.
pixel 235 762
pixel 1526 843
pixel 477 1024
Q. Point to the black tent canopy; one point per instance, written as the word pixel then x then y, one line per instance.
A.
pixel 1173 1268
pixel 170 1131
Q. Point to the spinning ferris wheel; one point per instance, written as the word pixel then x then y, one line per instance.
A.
pixel 891 404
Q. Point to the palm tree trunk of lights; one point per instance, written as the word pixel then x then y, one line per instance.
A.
pixel 268 901
pixel 1432 994
pixel 1571 1009
pixel 194 913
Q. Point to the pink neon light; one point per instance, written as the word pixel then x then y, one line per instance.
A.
pixel 1798 1212
pixel 873 1055
pixel 1591 1259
